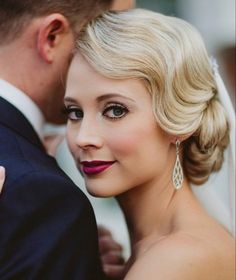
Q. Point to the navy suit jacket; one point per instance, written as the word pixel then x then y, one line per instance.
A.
pixel 47 225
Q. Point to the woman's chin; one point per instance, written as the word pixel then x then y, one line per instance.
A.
pixel 99 193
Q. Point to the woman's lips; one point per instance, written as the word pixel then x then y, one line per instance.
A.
pixel 95 167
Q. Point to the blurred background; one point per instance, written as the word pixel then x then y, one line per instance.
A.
pixel 215 19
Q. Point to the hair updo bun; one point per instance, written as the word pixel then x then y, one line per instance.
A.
pixel 203 152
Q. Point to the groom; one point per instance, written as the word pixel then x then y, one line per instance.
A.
pixel 47 226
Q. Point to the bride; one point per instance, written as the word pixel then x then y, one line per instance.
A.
pixel 146 124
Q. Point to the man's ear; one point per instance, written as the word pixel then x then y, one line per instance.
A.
pixel 51 33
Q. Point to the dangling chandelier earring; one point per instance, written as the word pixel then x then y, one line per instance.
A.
pixel 177 176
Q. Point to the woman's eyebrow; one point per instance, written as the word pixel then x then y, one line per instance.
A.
pixel 69 99
pixel 112 95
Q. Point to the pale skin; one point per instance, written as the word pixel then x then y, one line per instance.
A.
pixel 172 237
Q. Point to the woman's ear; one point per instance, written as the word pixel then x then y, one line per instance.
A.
pixel 181 138
pixel 52 32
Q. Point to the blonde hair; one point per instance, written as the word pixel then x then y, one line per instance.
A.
pixel 168 54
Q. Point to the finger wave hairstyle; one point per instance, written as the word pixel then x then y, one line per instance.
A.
pixel 17 14
pixel 169 55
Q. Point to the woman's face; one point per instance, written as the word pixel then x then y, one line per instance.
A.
pixel 112 133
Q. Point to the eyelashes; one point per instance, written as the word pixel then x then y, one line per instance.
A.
pixel 73 113
pixel 115 111
pixel 112 111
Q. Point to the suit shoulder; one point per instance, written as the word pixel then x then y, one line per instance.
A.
pixel 51 183
pixel 36 189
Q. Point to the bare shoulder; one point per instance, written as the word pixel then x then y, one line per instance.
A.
pixel 184 256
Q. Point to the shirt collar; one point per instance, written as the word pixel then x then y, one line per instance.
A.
pixel 24 104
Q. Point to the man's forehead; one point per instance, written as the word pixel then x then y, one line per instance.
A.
pixel 122 5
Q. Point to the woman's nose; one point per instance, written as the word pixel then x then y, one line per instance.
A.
pixel 88 136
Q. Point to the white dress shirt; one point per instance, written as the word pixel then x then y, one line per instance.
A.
pixel 24 104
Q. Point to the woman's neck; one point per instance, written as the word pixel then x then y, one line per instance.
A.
pixel 152 213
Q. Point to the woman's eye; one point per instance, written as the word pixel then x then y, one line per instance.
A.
pixel 115 111
pixel 74 114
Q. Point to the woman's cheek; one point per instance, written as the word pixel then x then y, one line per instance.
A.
pixel 123 144
pixel 70 139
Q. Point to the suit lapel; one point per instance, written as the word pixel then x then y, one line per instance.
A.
pixel 12 118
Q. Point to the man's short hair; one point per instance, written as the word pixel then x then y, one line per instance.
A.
pixel 16 14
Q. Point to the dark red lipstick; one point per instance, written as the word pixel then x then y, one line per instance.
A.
pixel 95 166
